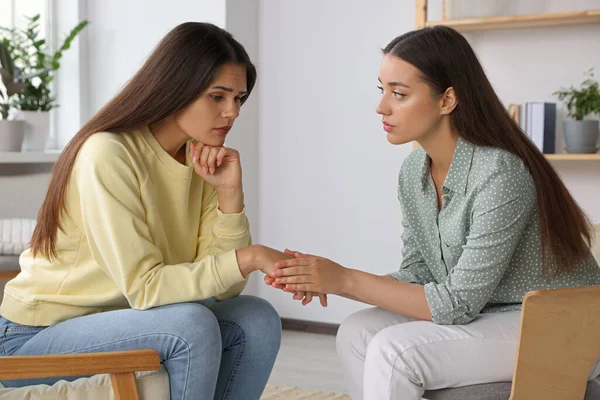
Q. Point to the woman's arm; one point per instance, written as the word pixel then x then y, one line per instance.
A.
pixel 317 274
pixel 223 223
pixel 386 292
pixel 500 216
pixel 223 227
pixel 121 243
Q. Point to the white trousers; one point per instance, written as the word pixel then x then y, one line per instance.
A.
pixel 388 356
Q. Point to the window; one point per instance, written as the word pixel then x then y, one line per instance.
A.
pixel 16 14
pixel 13 13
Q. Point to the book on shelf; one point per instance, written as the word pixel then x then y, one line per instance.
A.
pixel 538 122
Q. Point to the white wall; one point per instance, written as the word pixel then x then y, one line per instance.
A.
pixel 327 175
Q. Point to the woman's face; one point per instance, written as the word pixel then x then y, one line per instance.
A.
pixel 210 117
pixel 408 108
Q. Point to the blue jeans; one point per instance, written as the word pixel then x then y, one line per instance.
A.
pixel 220 350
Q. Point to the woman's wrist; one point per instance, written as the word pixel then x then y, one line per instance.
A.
pixel 348 281
pixel 246 258
pixel 231 201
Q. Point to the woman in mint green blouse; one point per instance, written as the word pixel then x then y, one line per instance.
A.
pixel 486 219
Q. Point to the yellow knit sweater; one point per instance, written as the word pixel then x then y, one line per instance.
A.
pixel 140 230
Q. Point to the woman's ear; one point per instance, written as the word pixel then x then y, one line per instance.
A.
pixel 449 101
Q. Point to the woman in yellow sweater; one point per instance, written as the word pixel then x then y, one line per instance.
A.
pixel 142 240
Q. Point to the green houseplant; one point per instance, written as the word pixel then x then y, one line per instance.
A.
pixel 581 136
pixel 32 55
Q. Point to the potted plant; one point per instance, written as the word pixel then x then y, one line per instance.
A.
pixel 11 130
pixel 581 136
pixel 32 55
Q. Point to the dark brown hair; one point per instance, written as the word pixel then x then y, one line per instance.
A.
pixel 178 71
pixel 445 59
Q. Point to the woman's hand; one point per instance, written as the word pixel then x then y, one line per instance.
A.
pixel 306 297
pixel 219 166
pixel 259 257
pixel 308 273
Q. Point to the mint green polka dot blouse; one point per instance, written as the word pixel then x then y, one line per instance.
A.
pixel 481 251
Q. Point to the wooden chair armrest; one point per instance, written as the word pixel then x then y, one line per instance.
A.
pixel 8 275
pixel 118 362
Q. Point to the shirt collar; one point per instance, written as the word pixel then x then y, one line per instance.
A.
pixel 458 174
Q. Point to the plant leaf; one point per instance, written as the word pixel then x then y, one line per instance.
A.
pixel 583 101
pixel 33 74
pixel 72 35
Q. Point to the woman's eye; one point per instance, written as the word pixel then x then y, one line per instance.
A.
pixel 398 95
pixel 216 97
pixel 380 89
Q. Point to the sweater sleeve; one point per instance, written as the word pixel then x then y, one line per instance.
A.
pixel 220 233
pixel 120 241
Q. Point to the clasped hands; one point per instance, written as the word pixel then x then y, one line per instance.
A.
pixel 307 276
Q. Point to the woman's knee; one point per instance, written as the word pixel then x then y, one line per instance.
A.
pixel 191 321
pixel 255 316
pixel 265 319
pixel 353 334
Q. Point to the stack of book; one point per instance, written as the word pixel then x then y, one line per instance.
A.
pixel 538 122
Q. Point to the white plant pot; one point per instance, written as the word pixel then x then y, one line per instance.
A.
pixel 11 135
pixel 37 130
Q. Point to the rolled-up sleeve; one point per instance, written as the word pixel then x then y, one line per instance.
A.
pixel 499 218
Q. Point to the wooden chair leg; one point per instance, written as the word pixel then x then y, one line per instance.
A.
pixel 124 386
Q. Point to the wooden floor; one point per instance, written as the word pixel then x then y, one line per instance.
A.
pixel 308 361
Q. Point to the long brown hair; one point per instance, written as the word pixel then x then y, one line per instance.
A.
pixel 179 70
pixel 445 59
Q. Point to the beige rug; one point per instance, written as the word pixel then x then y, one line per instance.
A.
pixel 273 392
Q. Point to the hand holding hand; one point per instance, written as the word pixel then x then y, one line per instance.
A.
pixel 306 297
pixel 310 273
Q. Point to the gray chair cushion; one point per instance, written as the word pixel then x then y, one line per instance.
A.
pixel 593 390
pixel 9 263
pixel 496 391
pixel 485 391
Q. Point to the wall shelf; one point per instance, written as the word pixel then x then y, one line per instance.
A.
pixel 520 21
pixel 573 157
pixel 29 157
pixel 572 18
